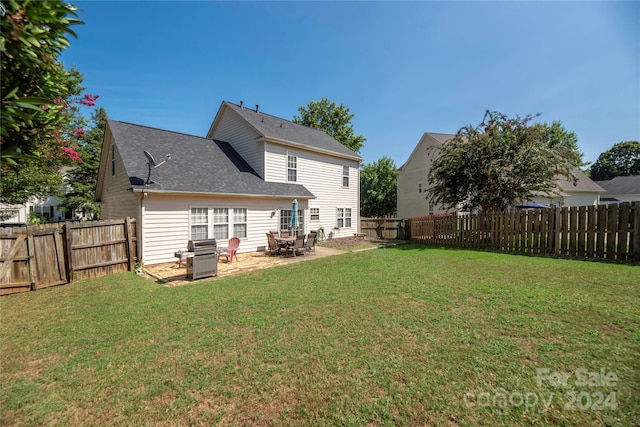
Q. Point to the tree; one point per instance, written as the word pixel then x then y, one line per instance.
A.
pixel 496 164
pixel 378 188
pixel 566 143
pixel 80 196
pixel 333 119
pixel 623 159
pixel 39 99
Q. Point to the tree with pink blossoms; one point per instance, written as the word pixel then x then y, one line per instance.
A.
pixel 41 110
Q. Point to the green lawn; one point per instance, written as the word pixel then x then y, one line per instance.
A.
pixel 409 335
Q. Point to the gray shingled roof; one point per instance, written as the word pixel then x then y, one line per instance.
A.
pixel 621 185
pixel 197 164
pixel 278 128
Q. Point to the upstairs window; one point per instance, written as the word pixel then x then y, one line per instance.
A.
pixel 345 176
pixel 292 168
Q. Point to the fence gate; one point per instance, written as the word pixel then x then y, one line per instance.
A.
pixel 14 273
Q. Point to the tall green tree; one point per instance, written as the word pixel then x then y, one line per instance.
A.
pixel 40 98
pixel 333 119
pixel 495 164
pixel 623 159
pixel 566 143
pixel 378 188
pixel 81 180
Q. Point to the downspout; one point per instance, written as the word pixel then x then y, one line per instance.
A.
pixel 141 234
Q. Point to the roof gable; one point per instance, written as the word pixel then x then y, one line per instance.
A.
pixel 428 139
pixel 277 129
pixel 197 165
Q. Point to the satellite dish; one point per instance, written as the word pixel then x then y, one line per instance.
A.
pixel 150 158
pixel 152 163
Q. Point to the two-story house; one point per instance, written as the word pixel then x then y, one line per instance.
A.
pixel 238 181
pixel 412 183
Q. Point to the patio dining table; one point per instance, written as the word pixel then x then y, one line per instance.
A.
pixel 285 242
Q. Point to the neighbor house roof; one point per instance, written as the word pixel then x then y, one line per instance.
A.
pixel 429 138
pixel 277 129
pixel 197 165
pixel 621 185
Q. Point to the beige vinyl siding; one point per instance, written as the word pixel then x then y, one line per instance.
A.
pixel 166 223
pixel 322 175
pixel 242 137
pixel 117 202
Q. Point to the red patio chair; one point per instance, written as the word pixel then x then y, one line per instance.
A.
pixel 234 244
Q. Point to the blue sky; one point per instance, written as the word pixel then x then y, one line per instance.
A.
pixel 403 68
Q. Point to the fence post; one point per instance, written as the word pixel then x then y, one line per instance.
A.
pixel 127 235
pixel 68 242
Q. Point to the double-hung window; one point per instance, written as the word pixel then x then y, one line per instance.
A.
pixel 240 222
pixel 199 223
pixel 419 187
pixel 292 168
pixel 345 176
pixel 218 223
pixel 343 217
pixel 221 223
pixel 314 214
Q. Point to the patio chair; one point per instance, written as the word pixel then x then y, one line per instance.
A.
pixel 298 246
pixel 284 233
pixel 234 244
pixel 310 244
pixel 274 248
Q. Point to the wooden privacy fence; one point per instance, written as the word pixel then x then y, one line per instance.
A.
pixel 40 256
pixel 594 232
pixel 384 228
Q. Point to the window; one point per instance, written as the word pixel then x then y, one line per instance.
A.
pixel 285 218
pixel 419 187
pixel 113 160
pixel 315 214
pixel 218 223
pixel 199 223
pixel 292 168
pixel 431 208
pixel 240 222
pixel 343 217
pixel 221 223
pixel 345 176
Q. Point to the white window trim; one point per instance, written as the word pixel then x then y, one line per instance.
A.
pixel 311 213
pixel 295 168
pixel 344 217
pixel 345 175
pixel 231 223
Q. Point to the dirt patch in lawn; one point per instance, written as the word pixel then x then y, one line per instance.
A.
pixel 352 244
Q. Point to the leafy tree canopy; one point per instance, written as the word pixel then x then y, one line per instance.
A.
pixel 496 164
pixel 80 196
pixel 333 119
pixel 566 143
pixel 623 159
pixel 378 188
pixel 40 99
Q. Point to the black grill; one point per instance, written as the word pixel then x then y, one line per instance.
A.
pixel 204 262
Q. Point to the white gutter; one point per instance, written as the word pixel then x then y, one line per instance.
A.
pixel 200 193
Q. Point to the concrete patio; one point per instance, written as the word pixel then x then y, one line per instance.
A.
pixel 171 275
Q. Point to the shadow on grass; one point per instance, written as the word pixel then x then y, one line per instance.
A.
pixel 414 246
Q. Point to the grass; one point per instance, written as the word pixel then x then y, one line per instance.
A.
pixel 409 335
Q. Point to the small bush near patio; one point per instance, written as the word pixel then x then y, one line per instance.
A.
pixel 409 335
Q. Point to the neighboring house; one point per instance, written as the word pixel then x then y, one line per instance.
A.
pixel 47 208
pixel 620 189
pixel 238 181
pixel 412 182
